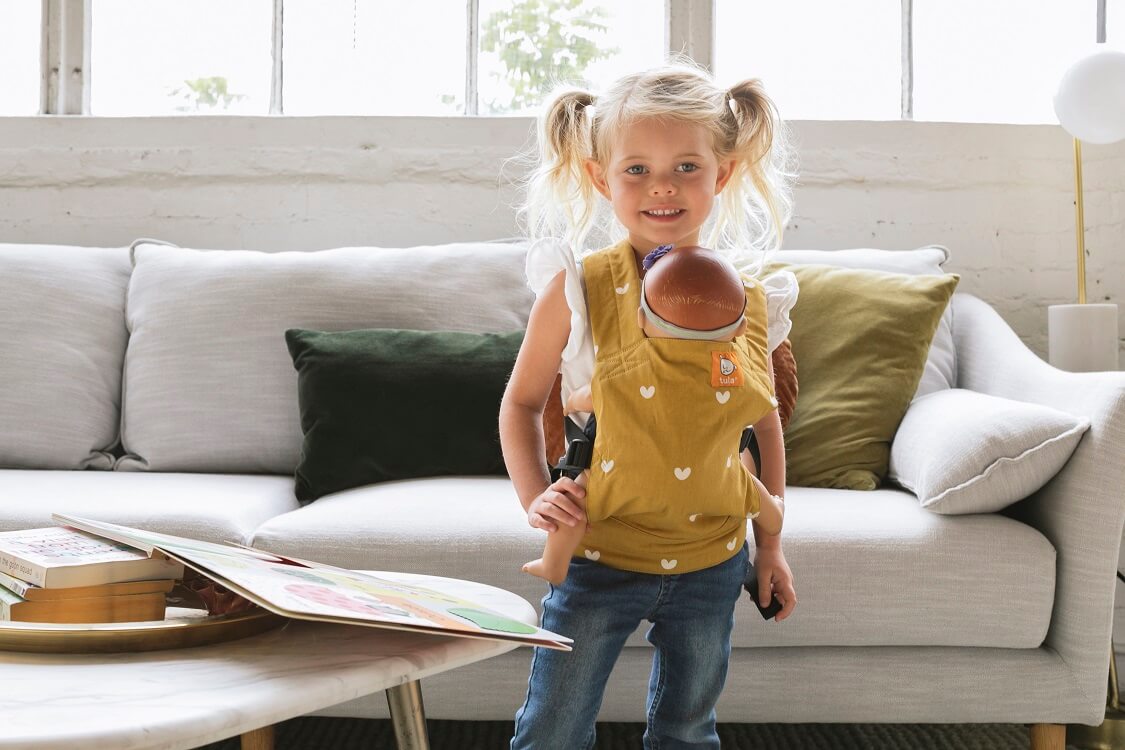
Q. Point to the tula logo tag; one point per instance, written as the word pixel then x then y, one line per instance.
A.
pixel 725 370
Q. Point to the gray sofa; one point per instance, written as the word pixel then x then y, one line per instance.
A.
pixel 151 386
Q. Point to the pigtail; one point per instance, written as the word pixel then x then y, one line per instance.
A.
pixel 757 202
pixel 560 196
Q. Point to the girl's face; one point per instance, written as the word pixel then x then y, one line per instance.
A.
pixel 661 177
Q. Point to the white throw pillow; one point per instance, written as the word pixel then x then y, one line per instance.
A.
pixel 62 323
pixel 209 383
pixel 965 452
pixel 940 372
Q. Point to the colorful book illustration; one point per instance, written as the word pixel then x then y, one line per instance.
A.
pixel 58 557
pixel 308 590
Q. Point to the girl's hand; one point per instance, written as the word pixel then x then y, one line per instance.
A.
pixel 775 576
pixel 563 502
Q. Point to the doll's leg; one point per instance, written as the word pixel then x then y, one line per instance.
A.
pixel 559 548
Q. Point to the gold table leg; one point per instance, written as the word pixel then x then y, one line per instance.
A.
pixel 408 716
pixel 259 739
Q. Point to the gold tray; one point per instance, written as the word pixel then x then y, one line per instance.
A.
pixel 181 628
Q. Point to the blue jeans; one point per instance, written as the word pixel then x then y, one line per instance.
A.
pixel 599 607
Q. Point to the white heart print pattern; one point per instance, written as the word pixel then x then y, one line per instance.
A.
pixel 722 396
pixel 668 564
pixel 648 391
pixel 593 554
pixel 607 466
pixel 683 473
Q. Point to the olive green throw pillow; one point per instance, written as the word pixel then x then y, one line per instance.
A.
pixel 860 339
pixel 386 404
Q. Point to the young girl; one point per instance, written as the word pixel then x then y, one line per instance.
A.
pixel 661 147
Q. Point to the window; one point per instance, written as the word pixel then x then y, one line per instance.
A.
pixel 374 57
pixel 817 60
pixel 528 46
pixel 996 61
pixel 169 57
pixel 956 60
pixel 20 25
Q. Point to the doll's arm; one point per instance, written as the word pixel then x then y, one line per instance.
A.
pixel 581 399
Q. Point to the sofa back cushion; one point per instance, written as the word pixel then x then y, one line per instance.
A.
pixel 62 324
pixel 209 384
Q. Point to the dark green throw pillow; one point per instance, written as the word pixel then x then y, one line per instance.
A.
pixel 384 404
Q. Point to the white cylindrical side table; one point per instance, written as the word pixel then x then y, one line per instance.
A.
pixel 1082 338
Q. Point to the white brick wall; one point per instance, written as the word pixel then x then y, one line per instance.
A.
pixel 999 196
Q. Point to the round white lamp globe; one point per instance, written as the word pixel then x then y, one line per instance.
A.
pixel 1090 102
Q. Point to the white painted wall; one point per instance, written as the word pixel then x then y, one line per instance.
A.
pixel 999 196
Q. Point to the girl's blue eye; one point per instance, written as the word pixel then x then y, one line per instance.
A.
pixel 688 167
pixel 635 169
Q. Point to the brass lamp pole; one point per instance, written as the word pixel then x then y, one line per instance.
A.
pixel 1079 221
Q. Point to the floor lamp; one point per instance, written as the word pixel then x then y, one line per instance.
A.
pixel 1090 105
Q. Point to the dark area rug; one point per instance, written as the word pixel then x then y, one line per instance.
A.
pixel 319 733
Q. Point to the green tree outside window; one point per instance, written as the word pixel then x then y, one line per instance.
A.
pixel 543 42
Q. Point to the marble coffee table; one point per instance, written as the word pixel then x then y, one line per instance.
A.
pixel 189 697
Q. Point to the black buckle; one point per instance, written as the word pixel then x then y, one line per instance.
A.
pixel 579 449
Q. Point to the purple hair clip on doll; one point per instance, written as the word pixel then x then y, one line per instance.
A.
pixel 654 256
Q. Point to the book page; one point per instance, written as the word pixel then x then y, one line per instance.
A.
pixel 310 590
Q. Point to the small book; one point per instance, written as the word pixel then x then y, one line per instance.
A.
pixel 63 557
pixel 34 593
pixel 120 608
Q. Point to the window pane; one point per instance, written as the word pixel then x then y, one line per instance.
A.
pixel 19 58
pixel 375 57
pixel 529 45
pixel 818 59
pixel 168 57
pixel 996 61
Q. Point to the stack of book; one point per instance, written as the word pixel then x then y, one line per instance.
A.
pixel 61 575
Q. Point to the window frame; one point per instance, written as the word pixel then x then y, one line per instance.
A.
pixel 689 28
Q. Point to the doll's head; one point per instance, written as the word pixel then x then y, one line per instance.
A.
pixel 692 293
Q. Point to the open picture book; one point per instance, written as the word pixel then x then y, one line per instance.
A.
pixel 307 590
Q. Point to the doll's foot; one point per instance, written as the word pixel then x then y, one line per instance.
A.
pixel 539 569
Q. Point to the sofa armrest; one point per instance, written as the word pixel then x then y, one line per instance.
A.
pixel 1081 510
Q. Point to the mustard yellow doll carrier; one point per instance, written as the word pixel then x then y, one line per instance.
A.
pixel 667 491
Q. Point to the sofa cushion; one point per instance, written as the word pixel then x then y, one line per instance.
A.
pixel 62 327
pixel 871 570
pixel 381 404
pixel 209 385
pixel 860 338
pixel 212 507
pixel 941 364
pixel 965 452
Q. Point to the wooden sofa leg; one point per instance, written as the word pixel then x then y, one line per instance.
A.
pixel 259 739
pixel 1048 737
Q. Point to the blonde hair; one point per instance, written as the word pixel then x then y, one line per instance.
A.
pixel 576 125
